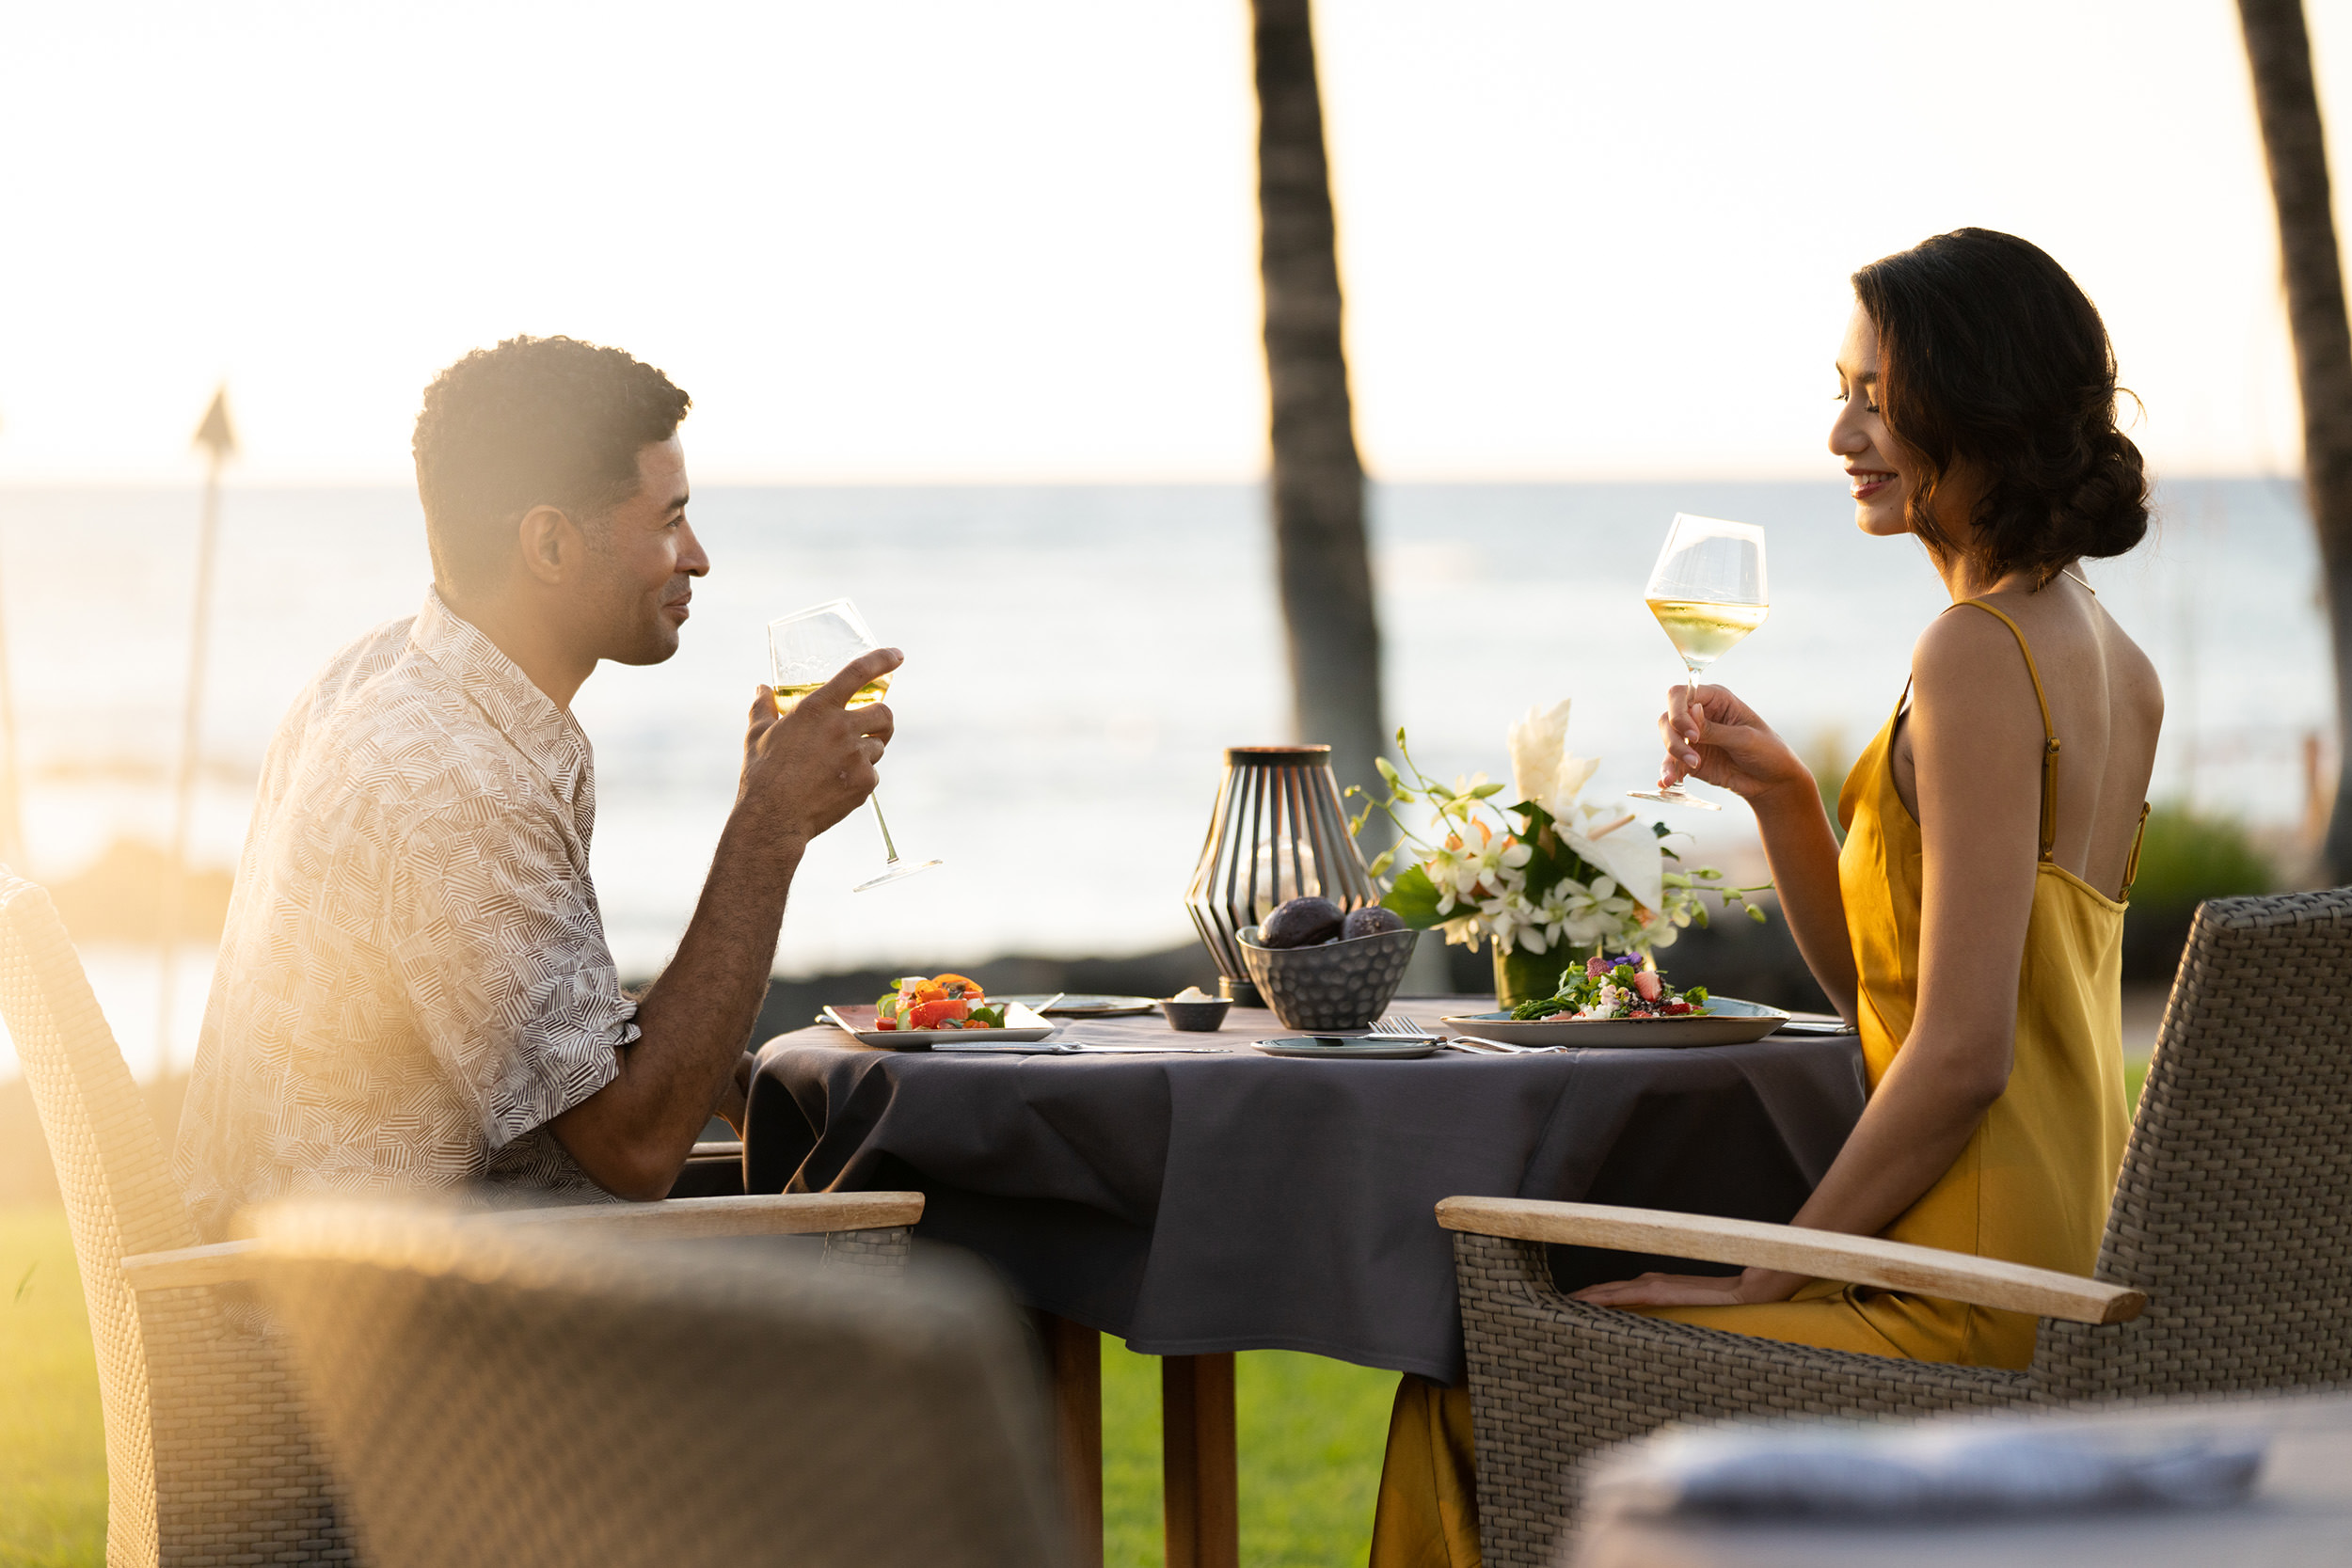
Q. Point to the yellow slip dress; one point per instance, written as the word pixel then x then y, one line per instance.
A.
pixel 2032 1187
pixel 2034 1184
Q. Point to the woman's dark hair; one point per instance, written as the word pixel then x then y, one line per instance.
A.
pixel 1990 355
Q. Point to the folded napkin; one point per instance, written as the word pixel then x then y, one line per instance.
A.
pixel 1968 1467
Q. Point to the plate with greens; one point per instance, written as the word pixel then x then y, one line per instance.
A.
pixel 1624 1002
pixel 1726 1021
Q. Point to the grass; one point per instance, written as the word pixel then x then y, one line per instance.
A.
pixel 1310 1434
pixel 53 1448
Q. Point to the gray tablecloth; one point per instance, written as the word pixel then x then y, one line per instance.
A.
pixel 1240 1201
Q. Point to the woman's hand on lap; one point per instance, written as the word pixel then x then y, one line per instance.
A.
pixel 1712 736
pixel 1748 1287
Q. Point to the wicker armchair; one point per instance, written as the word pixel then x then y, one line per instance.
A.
pixel 2232 1225
pixel 208 1457
pixel 510 1397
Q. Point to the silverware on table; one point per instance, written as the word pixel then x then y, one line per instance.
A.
pixel 1476 1044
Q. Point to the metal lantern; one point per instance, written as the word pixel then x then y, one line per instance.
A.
pixel 1277 832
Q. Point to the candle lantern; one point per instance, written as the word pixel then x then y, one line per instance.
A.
pixel 1277 832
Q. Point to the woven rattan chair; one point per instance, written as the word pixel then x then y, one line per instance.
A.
pixel 2232 1225
pixel 509 1397
pixel 208 1457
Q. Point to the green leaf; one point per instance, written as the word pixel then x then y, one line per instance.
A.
pixel 1413 899
pixel 1484 790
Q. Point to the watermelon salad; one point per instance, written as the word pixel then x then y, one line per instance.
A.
pixel 943 1001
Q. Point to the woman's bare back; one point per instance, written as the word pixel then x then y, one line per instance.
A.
pixel 2106 705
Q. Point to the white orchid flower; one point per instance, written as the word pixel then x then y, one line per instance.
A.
pixel 1628 850
pixel 1537 743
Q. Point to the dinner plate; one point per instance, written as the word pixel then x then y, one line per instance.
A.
pixel 1078 1005
pixel 1358 1047
pixel 1021 1025
pixel 1728 1022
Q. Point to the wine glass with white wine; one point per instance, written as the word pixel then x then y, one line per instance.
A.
pixel 806 649
pixel 1707 592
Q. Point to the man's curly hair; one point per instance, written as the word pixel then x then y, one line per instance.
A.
pixel 535 421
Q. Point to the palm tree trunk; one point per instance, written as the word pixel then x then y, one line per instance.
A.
pixel 1321 560
pixel 2279 52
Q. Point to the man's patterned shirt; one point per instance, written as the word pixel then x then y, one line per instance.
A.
pixel 413 978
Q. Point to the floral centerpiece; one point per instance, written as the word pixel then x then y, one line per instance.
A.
pixel 1566 880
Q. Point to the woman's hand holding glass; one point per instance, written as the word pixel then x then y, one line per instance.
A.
pixel 1712 736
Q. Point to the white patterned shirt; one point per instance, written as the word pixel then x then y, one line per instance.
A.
pixel 413 979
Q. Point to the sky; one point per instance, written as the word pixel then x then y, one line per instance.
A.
pixel 930 240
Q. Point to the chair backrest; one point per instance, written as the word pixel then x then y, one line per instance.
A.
pixel 2233 1211
pixel 119 1196
pixel 496 1394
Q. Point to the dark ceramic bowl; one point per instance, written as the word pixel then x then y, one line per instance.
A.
pixel 1197 1017
pixel 1333 985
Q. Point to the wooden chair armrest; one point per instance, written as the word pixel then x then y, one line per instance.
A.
pixel 760 1214
pixel 221 1263
pixel 755 1214
pixel 1823 1254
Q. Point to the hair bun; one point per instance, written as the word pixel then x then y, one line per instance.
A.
pixel 2107 514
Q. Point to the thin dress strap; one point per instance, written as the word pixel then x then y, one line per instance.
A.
pixel 2131 866
pixel 2049 736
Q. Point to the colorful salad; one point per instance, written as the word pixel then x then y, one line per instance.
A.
pixel 943 1001
pixel 1616 987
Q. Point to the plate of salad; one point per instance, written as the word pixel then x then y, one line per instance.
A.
pixel 920 1013
pixel 1624 1002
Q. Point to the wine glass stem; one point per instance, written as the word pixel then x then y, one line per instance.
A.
pixel 890 851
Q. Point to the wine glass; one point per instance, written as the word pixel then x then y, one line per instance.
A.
pixel 1707 592
pixel 806 649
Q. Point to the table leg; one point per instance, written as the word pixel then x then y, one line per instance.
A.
pixel 1198 1461
pixel 1075 1353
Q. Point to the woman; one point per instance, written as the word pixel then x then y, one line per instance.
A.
pixel 1971 926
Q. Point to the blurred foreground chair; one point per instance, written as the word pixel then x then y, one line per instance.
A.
pixel 2232 1225
pixel 518 1397
pixel 208 1458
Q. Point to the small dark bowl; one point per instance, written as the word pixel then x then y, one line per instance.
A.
pixel 1197 1017
pixel 1332 985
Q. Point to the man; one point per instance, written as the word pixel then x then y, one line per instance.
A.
pixel 414 989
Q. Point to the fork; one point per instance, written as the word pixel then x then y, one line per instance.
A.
pixel 1404 1028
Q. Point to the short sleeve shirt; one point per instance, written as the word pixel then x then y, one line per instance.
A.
pixel 413 979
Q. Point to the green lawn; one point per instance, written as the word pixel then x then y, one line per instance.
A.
pixel 52 1449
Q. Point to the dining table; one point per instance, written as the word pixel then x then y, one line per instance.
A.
pixel 1197 1197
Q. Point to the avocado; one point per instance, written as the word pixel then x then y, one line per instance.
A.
pixel 1300 923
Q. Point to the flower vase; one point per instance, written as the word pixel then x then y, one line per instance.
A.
pixel 1524 976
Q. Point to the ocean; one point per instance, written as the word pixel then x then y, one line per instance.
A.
pixel 1077 657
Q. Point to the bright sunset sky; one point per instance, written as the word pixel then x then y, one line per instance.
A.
pixel 1016 239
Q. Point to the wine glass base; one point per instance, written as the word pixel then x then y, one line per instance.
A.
pixel 899 872
pixel 1672 798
